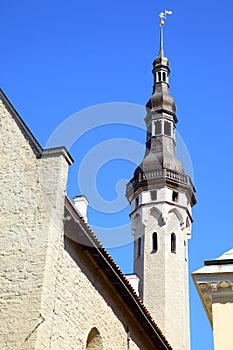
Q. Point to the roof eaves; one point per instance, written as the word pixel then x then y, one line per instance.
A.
pixel 115 273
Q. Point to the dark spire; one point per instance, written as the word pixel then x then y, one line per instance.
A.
pixel 161 98
pixel 160 164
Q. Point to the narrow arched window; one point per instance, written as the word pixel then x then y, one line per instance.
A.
pixel 185 251
pixel 159 74
pixel 94 341
pixel 164 76
pixel 173 243
pixel 139 247
pixel 155 242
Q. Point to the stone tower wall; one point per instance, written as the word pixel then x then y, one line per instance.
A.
pixel 164 275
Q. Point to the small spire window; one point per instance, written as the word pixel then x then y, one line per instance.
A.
pixel 175 196
pixel 149 132
pixel 158 127
pixel 185 251
pixel 173 243
pixel 153 195
pixel 164 76
pixel 159 76
pixel 167 128
pixel 154 242
pixel 139 247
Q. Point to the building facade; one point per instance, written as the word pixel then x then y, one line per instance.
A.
pixel 59 287
pixel 214 283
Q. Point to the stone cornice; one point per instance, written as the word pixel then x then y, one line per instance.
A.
pixel 58 151
pixel 214 288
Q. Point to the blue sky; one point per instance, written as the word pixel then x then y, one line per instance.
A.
pixel 59 57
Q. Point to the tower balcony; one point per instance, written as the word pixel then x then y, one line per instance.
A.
pixel 158 178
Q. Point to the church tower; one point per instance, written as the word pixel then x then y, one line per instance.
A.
pixel 161 195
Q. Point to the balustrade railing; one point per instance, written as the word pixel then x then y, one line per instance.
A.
pixel 167 173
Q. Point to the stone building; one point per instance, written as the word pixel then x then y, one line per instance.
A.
pixel 59 287
pixel 214 283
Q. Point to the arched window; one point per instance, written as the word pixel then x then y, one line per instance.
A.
pixel 139 247
pixel 164 77
pixel 159 74
pixel 173 243
pixel 94 341
pixel 155 242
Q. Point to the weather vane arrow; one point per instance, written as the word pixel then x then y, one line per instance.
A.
pixel 163 16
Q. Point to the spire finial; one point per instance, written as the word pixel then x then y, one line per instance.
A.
pixel 161 52
pixel 162 16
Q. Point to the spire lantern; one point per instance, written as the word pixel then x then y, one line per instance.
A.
pixel 161 64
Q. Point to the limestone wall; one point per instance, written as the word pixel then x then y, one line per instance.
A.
pixel 31 221
pixel 81 304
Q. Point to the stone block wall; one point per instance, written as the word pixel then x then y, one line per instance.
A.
pixel 31 224
pixel 82 303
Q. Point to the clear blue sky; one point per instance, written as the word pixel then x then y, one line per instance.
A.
pixel 59 57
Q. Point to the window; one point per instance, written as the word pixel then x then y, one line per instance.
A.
pixel 159 74
pixel 185 251
pixel 155 242
pixel 94 341
pixel 175 196
pixel 136 201
pixel 149 131
pixel 173 243
pixel 158 127
pixel 164 76
pixel 153 195
pixel 167 128
pixel 139 247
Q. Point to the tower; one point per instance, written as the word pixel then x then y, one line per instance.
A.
pixel 161 196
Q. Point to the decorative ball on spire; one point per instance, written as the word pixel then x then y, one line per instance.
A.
pixel 163 16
